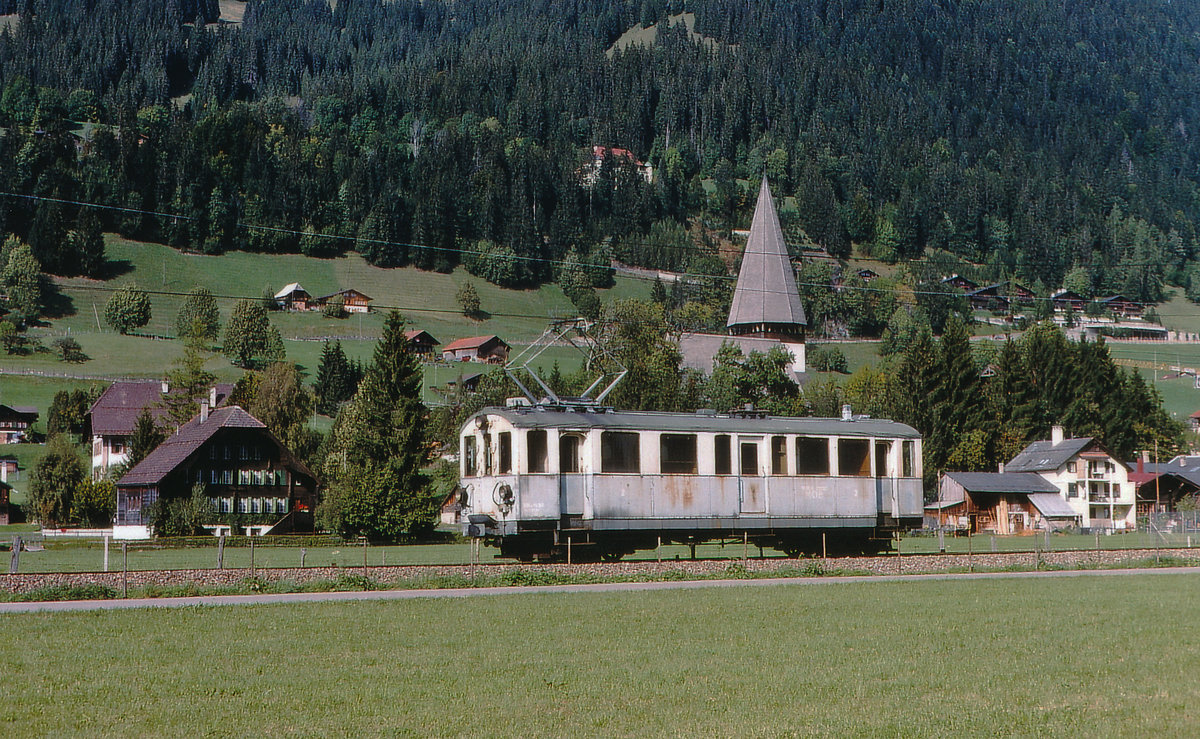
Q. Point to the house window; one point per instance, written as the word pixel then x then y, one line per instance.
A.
pixel 854 459
pixel 268 505
pixel 227 477
pixel 505 452
pixel 280 477
pixel 228 452
pixel 212 477
pixel 118 447
pixel 677 454
pixel 620 452
pixel 778 455
pixel 256 505
pixel 243 477
pixel 243 505
pixel 812 456
pixel 281 505
pixel 1071 467
pixel 469 456
pixel 212 452
pixel 133 502
pixel 723 456
pixel 1072 490
pixel 258 452
pixel 245 453
pixel 539 456
pixel 226 505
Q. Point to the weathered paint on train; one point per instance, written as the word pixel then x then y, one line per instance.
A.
pixel 533 476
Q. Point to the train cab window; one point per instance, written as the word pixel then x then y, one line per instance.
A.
pixel 907 469
pixel 778 455
pixel 677 454
pixel 568 453
pixel 470 457
pixel 812 456
pixel 505 452
pixel 723 459
pixel 619 452
pixel 749 465
pixel 854 457
pixel 538 454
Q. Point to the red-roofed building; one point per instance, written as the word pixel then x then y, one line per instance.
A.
pixel 476 349
pixel 247 474
pixel 114 415
pixel 590 172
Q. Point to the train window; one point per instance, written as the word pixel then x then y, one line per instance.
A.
pixel 778 455
pixel 854 457
pixel 470 460
pixel 505 452
pixel 906 459
pixel 619 452
pixel 724 460
pixel 538 455
pixel 568 453
pixel 749 458
pixel 812 456
pixel 677 454
pixel 882 449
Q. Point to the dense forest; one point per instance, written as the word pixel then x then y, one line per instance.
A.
pixel 1031 138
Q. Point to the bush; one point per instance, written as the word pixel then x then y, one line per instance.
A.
pixel 69 350
pixel 827 359
pixel 334 308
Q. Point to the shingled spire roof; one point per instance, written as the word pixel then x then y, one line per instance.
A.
pixel 766 302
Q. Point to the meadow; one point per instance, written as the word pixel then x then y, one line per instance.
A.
pixel 1079 656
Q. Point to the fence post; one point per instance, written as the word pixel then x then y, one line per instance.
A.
pixel 303 554
pixel 251 555
pixel 14 564
pixel 124 569
pixel 746 547
pixel 106 552
pixel 221 552
pixel 568 550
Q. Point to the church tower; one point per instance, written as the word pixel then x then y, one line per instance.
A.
pixel 766 303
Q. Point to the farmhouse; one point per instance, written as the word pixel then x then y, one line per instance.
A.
pixel 988 298
pixel 353 301
pixel 1087 477
pixel 1065 300
pixel 247 474
pixel 1121 306
pixel 476 349
pixel 1194 421
pixel 293 297
pixel 1001 503
pixel 590 172
pixel 422 342
pixel 962 283
pixel 1162 486
pixel 114 415
pixel 15 422
pixel 766 311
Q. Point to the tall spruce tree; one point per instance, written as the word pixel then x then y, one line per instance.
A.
pixel 958 400
pixel 377 450
pixel 335 381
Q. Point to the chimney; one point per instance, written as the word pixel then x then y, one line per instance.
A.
pixel 1001 470
pixel 212 397
pixel 1141 468
pixel 1056 435
pixel 166 387
pixel 847 413
pixel 203 410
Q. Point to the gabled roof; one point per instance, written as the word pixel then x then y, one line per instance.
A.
pixel 116 411
pixel 415 334
pixel 1041 456
pixel 474 342
pixel 19 410
pixel 766 285
pixel 345 291
pixel 290 288
pixel 180 445
pixel 1067 295
pixel 1002 482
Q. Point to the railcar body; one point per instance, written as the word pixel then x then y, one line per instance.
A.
pixel 535 478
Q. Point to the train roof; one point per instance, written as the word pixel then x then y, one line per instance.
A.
pixel 539 417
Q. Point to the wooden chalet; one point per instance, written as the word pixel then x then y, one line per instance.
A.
pixel 293 297
pixel 468 382
pixel 867 275
pixel 476 349
pixel 1000 503
pixel 1020 294
pixel 1067 300
pixel 990 297
pixel 1161 487
pixel 5 491
pixel 15 422
pixel 353 301
pixel 1121 306
pixel 422 342
pixel 960 282
pixel 249 476
pixel 1194 421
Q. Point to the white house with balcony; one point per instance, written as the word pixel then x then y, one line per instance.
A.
pixel 1088 477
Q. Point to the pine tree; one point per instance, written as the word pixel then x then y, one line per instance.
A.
pixel 958 400
pixel 377 449
pixel 334 384
pixel 145 438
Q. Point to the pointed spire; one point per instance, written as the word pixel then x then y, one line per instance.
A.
pixel 766 302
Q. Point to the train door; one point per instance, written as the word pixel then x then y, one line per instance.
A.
pixel 752 485
pixel 572 482
pixel 886 493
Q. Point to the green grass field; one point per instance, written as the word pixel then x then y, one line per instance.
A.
pixel 1086 656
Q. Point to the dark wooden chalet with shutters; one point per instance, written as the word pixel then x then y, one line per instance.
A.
pixel 960 282
pixel 1067 300
pixel 1020 294
pixel 422 342
pixel 1121 306
pixel 15 422
pixel 353 301
pixel 990 297
pixel 252 480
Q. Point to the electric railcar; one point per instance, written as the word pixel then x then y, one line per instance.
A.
pixel 537 479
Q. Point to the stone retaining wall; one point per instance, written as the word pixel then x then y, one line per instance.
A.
pixel 913 564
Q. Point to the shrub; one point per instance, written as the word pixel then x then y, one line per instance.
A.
pixel 827 359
